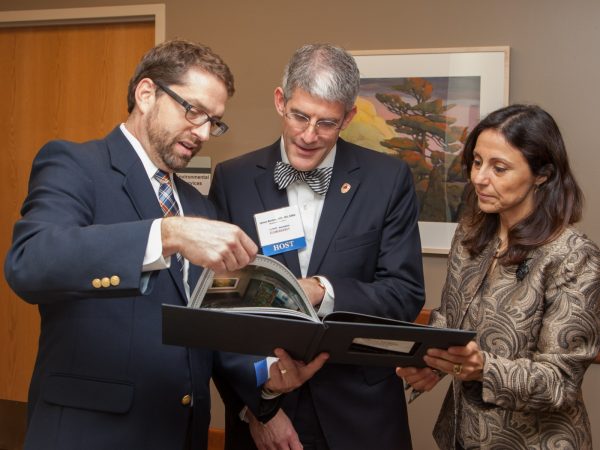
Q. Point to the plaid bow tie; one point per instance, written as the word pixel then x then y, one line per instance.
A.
pixel 317 179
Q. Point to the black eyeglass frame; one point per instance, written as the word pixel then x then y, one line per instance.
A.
pixel 217 126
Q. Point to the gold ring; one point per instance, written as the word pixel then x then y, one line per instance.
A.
pixel 283 371
pixel 457 369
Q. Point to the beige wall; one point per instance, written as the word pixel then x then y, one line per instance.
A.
pixel 554 62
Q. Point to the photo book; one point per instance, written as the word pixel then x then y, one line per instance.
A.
pixel 265 286
pixel 262 307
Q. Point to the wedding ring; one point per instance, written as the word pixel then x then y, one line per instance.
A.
pixel 457 369
pixel 283 371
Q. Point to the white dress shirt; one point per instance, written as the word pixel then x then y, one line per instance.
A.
pixel 153 258
pixel 310 205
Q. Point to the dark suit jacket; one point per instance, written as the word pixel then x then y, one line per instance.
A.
pixel 538 332
pixel 103 379
pixel 367 245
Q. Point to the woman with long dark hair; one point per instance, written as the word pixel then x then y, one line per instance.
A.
pixel 528 282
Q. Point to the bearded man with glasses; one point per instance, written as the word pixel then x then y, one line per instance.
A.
pixel 363 254
pixel 108 234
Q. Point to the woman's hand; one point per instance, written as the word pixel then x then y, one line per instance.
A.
pixel 465 363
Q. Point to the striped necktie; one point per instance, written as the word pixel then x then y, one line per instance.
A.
pixel 317 179
pixel 166 199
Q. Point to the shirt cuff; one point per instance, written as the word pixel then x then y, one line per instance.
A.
pixel 242 415
pixel 267 394
pixel 262 369
pixel 327 304
pixel 153 258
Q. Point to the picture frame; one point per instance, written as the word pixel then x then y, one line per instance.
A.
pixel 419 105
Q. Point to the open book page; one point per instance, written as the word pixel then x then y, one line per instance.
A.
pixel 265 286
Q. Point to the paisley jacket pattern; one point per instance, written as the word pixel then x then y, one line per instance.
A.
pixel 538 327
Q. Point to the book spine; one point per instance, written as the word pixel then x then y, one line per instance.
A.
pixel 314 348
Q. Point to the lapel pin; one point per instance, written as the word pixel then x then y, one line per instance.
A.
pixel 345 188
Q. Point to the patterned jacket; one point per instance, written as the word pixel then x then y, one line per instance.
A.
pixel 538 327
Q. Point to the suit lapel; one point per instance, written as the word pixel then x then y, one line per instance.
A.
pixel 345 172
pixel 273 198
pixel 136 184
pixel 138 188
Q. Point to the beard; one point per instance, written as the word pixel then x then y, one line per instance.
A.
pixel 164 145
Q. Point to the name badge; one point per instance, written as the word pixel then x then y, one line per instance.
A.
pixel 280 230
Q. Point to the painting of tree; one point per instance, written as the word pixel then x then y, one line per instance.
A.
pixel 423 121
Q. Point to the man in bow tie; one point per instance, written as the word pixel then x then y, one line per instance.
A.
pixel 359 213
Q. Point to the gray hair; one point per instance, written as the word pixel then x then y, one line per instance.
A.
pixel 324 71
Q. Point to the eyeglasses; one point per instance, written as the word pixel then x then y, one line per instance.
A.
pixel 301 122
pixel 195 115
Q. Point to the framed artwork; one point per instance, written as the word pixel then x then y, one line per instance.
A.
pixel 419 106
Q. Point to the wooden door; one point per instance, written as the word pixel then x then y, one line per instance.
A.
pixel 67 82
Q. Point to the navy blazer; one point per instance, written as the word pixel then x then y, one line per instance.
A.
pixel 103 378
pixel 367 245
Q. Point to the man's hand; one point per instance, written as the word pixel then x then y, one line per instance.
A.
pixel 313 289
pixel 288 374
pixel 277 434
pixel 422 380
pixel 215 245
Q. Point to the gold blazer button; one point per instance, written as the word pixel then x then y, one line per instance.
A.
pixel 97 283
pixel 115 280
pixel 186 400
pixel 105 282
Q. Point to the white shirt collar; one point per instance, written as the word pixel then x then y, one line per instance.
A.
pixel 137 146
